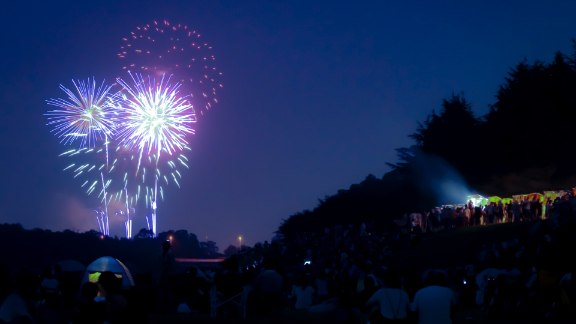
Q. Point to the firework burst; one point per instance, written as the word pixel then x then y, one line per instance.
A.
pixel 163 47
pixel 154 117
pixel 87 115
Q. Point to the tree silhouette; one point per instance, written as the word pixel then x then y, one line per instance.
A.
pixel 144 234
pixel 525 138
pixel 230 250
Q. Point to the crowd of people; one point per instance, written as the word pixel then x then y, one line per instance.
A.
pixel 347 274
pixel 490 213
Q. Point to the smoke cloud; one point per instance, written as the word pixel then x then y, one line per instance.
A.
pixel 437 177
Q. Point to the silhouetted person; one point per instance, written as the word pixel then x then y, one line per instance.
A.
pixel 526 209
pixel 433 303
pixel 322 285
pixel 345 313
pixel 369 290
pixel 165 263
pixel 469 291
pixel 49 284
pixel 393 302
pixel 270 284
pixel 109 286
pixel 18 306
pixel 303 292
pixel 90 312
pixel 477 215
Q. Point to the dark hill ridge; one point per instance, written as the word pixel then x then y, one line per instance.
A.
pixel 37 249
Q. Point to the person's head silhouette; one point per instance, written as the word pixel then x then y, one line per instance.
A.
pixel 165 247
pixel 89 291
pixel 109 282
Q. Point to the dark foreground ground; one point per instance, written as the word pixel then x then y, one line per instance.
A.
pixel 464 316
pixel 436 252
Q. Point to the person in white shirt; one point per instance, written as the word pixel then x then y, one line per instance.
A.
pixel 393 302
pixel 303 292
pixel 49 284
pixel 433 303
pixel 466 216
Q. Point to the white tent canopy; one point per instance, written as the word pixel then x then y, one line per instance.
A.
pixel 109 264
pixel 71 266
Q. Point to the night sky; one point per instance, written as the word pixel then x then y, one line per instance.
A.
pixel 317 95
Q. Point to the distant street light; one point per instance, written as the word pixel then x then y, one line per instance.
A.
pixel 240 240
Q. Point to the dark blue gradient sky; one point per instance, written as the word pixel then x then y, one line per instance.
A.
pixel 317 95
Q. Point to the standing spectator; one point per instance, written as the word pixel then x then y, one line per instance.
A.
pixel 526 209
pixel 549 207
pixel 466 218
pixel 477 215
pixel 535 207
pixel 434 302
pixel 500 213
pixel 516 210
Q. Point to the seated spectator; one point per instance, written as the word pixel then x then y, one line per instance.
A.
pixel 49 284
pixel 322 285
pixel 393 302
pixel 270 284
pixel 90 312
pixel 109 286
pixel 18 306
pixel 303 292
pixel 433 303
pixel 470 269
pixel 51 312
pixel 345 313
pixel 364 295
pixel 469 291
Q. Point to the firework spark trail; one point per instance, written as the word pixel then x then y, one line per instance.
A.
pixel 106 228
pixel 100 220
pixel 154 117
pixel 162 47
pixel 88 116
pixel 128 223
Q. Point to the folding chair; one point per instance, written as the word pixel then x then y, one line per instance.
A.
pixel 229 288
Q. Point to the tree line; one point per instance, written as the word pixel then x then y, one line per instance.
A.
pixel 522 145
